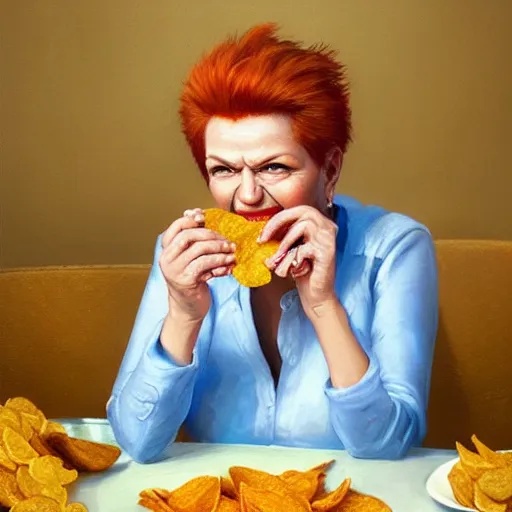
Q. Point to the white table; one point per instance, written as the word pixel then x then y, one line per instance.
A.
pixel 401 484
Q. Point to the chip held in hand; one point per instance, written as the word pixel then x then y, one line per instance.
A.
pixel 250 269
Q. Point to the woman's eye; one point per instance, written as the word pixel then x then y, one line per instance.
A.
pixel 275 168
pixel 220 170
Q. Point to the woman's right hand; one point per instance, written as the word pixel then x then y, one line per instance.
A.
pixel 191 256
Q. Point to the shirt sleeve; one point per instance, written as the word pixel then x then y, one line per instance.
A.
pixel 384 414
pixel 152 394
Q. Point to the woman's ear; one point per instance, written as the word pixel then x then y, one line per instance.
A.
pixel 332 169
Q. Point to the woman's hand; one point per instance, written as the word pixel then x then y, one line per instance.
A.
pixel 307 253
pixel 191 256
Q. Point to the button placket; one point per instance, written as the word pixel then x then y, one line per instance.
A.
pixel 245 330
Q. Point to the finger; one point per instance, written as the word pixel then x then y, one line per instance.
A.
pixel 302 263
pixel 190 244
pixel 195 213
pixel 176 227
pixel 225 270
pixel 283 268
pixel 295 233
pixel 203 247
pixel 284 217
pixel 207 263
pixel 300 271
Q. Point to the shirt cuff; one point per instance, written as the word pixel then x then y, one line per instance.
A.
pixel 156 357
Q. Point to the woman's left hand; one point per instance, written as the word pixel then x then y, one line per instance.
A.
pixel 307 253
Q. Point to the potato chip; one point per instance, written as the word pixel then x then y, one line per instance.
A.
pixel 356 502
pixel 462 485
pixel 485 504
pixel 155 505
pixel 472 463
pixel 332 499
pixel 17 447
pixel 49 471
pixel 228 505
pixel 302 482
pixel 76 507
pixel 37 504
pixel 497 483
pixel 83 455
pixel 41 446
pixel 200 493
pixel 227 488
pixel 261 480
pixel 264 500
pixel 9 492
pixel 53 426
pixel 27 485
pixel 10 418
pixel 22 404
pixel 155 499
pixel 306 483
pixel 250 269
pixel 5 461
pixel 496 459
pixel 30 487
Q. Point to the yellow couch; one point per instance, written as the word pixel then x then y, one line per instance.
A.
pixel 63 332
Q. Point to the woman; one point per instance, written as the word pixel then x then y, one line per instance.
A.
pixel 336 351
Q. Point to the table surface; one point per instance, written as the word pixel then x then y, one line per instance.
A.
pixel 401 484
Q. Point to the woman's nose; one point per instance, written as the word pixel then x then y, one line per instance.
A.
pixel 250 191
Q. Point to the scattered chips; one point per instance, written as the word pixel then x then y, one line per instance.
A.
pixel 83 455
pixel 250 269
pixel 482 479
pixel 33 473
pixel 252 490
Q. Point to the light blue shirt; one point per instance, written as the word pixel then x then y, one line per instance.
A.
pixel 386 279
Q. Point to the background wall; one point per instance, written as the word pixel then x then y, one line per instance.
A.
pixel 93 165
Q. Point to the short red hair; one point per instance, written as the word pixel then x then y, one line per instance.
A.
pixel 259 74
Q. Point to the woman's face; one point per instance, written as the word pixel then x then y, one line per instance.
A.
pixel 255 167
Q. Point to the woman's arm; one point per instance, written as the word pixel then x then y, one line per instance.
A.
pixel 379 402
pixel 152 393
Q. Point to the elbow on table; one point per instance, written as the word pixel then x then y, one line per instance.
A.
pixel 131 439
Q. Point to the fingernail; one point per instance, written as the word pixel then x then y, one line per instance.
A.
pixel 294 263
pixel 186 212
pixel 199 218
pixel 233 246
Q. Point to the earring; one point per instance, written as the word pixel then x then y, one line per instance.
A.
pixel 330 209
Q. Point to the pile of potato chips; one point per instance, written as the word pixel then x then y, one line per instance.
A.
pixel 252 490
pixel 250 269
pixel 482 479
pixel 38 460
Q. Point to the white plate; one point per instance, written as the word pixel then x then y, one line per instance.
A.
pixel 439 487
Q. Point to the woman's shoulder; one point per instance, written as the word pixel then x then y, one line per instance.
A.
pixel 373 230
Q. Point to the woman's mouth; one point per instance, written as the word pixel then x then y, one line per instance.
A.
pixel 259 215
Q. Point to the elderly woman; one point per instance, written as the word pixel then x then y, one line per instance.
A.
pixel 336 351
